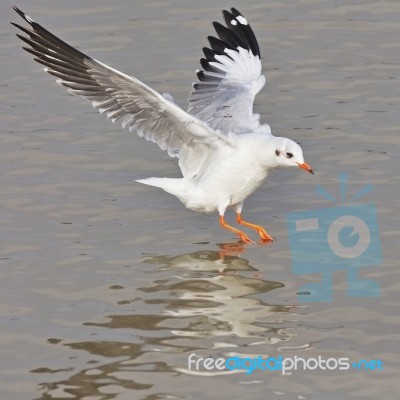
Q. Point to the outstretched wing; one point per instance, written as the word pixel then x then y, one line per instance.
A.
pixel 121 97
pixel 224 95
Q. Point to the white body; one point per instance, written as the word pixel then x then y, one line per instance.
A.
pixel 227 177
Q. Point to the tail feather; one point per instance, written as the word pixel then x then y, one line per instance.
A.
pixel 158 182
pixel 185 191
pixel 178 187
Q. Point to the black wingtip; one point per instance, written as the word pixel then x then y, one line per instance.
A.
pixel 238 31
pixel 228 17
pixel 219 45
pixel 201 76
pixel 235 12
pixel 19 12
pixel 24 16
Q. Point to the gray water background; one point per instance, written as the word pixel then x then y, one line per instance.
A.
pixel 107 285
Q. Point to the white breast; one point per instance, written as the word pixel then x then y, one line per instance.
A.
pixel 230 181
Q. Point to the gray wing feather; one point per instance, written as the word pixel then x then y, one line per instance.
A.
pixel 121 97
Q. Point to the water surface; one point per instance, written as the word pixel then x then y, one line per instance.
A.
pixel 107 285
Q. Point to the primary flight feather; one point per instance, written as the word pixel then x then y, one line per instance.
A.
pixel 224 152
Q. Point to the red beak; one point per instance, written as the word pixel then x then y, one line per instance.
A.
pixel 306 167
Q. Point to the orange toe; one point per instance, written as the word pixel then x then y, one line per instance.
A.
pixel 244 238
pixel 264 236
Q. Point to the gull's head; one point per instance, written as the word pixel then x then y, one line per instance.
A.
pixel 289 154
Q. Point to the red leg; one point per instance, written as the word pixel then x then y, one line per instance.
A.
pixel 243 237
pixel 260 230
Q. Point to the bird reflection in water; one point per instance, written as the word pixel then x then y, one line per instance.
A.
pixel 213 291
pixel 209 302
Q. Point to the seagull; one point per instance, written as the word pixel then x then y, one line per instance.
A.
pixel 223 150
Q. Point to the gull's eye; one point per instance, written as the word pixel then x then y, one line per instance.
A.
pixel 277 152
pixel 289 155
